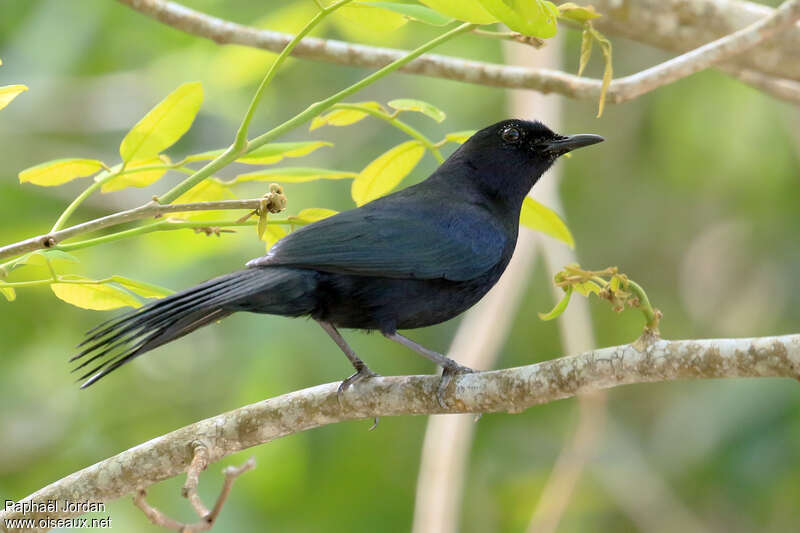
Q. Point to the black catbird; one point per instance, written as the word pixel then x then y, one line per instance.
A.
pixel 414 258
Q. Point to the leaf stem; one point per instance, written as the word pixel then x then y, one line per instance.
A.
pixel 402 126
pixel 62 220
pixel 651 314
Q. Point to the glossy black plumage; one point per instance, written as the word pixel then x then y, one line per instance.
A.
pixel 411 259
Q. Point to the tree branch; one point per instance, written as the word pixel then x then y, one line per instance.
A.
pixel 763 24
pixel 680 26
pixel 149 210
pixel 512 390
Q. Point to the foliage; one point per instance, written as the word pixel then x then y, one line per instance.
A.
pixel 144 163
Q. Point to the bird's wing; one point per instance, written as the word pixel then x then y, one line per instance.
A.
pixel 390 241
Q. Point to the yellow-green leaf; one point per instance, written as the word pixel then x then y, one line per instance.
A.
pixel 272 234
pixel 373 18
pixel 164 124
pixel 541 218
pixel 460 137
pixel 588 287
pixel 559 308
pixel 608 72
pixel 262 223
pixel 529 17
pixel 415 12
pixel 269 153
pixel 38 258
pixel 145 290
pixel 580 14
pixel 293 175
pixel 96 296
pixel 466 10
pixel 386 172
pixel 9 293
pixel 9 92
pixel 409 104
pixel 311 214
pixel 343 117
pixel 586 49
pixel 137 175
pixel 59 171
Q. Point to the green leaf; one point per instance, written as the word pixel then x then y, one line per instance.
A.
pixel 59 171
pixel 137 178
pixel 540 218
pixel 373 18
pixel 579 14
pixel 409 104
pixel 588 287
pixel 466 10
pixel 460 137
pixel 95 296
pixel 9 92
pixel 9 293
pixel 39 258
pixel 386 172
pixel 164 124
pixel 293 175
pixel 272 234
pixel 415 12
pixel 344 117
pixel 530 17
pixel 145 290
pixel 267 154
pixel 560 307
pixel 311 214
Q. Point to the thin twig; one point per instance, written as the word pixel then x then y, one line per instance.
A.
pixel 477 72
pixel 198 464
pixel 511 390
pixel 154 515
pixel 207 518
pixel 149 210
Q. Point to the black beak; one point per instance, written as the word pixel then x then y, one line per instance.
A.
pixel 567 144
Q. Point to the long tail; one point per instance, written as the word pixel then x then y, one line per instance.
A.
pixel 117 341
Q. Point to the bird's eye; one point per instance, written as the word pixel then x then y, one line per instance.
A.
pixel 510 135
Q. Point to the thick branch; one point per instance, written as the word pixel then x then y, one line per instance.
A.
pixel 781 19
pixel 680 26
pixel 149 210
pixel 512 390
pixel 543 80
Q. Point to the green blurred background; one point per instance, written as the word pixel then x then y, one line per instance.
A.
pixel 695 195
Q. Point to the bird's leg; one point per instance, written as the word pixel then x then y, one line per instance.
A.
pixel 362 370
pixel 449 367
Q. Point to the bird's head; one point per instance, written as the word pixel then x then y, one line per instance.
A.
pixel 507 158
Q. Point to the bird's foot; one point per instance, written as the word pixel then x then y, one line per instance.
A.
pixel 448 371
pixel 363 372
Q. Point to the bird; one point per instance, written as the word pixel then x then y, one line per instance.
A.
pixel 410 259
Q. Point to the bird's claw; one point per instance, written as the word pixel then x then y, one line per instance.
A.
pixel 363 373
pixel 447 376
